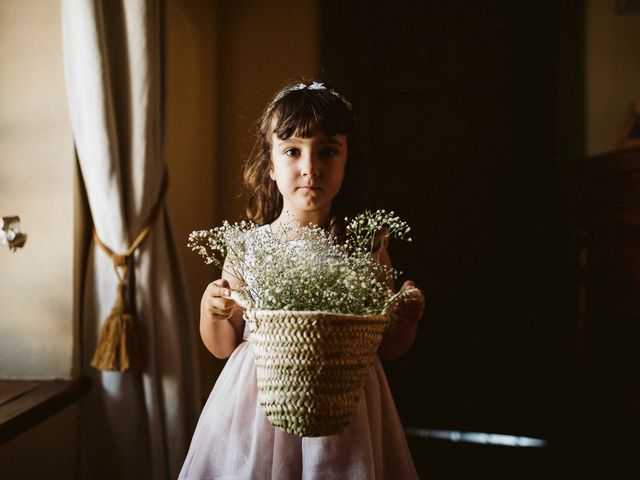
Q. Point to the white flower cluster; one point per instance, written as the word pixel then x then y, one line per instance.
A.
pixel 215 244
pixel 368 226
pixel 313 272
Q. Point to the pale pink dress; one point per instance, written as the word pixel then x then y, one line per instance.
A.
pixel 234 439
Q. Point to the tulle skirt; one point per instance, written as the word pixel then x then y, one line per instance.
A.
pixel 234 439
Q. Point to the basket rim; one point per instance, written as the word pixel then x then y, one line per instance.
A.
pixel 319 313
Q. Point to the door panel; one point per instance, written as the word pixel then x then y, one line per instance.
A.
pixel 459 103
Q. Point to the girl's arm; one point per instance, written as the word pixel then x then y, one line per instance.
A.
pixel 221 323
pixel 405 317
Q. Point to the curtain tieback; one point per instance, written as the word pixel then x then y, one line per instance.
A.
pixel 118 347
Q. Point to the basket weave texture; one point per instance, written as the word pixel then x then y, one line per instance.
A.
pixel 311 366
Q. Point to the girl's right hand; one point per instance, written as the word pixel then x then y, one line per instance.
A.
pixel 216 302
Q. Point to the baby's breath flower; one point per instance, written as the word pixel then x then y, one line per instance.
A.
pixel 313 272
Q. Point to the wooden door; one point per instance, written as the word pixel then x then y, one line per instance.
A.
pixel 473 117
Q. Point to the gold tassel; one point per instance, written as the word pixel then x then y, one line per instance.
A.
pixel 117 348
pixel 118 345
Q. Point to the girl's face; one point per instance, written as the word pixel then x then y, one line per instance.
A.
pixel 309 173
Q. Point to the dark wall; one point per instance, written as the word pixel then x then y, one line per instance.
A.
pixel 473 115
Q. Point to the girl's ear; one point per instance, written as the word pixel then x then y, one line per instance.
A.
pixel 272 174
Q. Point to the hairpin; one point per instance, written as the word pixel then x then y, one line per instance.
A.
pixel 319 86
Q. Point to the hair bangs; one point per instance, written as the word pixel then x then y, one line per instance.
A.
pixel 300 112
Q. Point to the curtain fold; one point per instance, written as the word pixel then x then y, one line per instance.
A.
pixel 133 424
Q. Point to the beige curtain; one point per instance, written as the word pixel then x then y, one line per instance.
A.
pixel 133 424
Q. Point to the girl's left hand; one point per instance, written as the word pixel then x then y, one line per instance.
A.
pixel 410 308
pixel 406 315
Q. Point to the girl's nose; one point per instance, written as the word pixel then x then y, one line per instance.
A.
pixel 310 165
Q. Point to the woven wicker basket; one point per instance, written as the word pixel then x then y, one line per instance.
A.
pixel 311 366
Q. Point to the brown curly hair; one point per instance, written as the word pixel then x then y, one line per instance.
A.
pixel 297 110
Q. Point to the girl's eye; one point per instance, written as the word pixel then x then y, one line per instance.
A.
pixel 292 152
pixel 328 152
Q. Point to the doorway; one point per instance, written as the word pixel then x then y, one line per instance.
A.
pixel 473 114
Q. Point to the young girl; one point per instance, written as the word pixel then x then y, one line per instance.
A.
pixel 305 164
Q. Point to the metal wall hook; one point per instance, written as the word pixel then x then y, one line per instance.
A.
pixel 10 233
